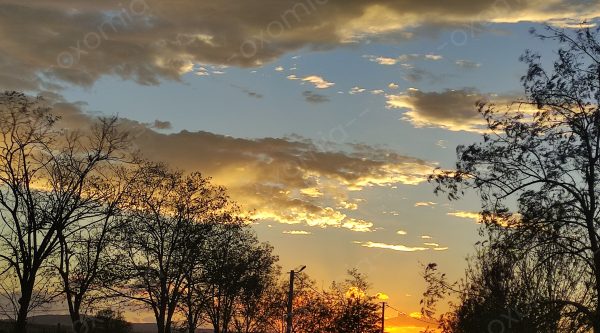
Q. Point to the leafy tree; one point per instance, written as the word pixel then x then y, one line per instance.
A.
pixel 537 173
pixel 356 310
pixel 499 292
pixel 313 308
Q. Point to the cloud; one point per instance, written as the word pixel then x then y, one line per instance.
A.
pixel 401 232
pixel 377 92
pixel 318 82
pixel 74 42
pixel 402 248
pixel 433 57
pixel 279 69
pixel 467 64
pixel 280 178
pixel 413 74
pixel 500 220
pixel 387 61
pixel 313 192
pixel 393 86
pixel 466 215
pixel 287 180
pixel 314 98
pixel 162 125
pixel 356 90
pixel 425 204
pixel 453 110
pixel 426 237
pixel 297 232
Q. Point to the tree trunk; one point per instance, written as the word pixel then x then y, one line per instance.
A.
pixel 596 324
pixel 191 324
pixel 160 323
pixel 24 301
pixel 78 325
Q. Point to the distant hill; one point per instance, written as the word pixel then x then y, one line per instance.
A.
pixel 65 321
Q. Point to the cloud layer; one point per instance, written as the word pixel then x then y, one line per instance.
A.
pixel 288 180
pixel 69 41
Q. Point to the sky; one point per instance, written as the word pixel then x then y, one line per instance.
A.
pixel 323 118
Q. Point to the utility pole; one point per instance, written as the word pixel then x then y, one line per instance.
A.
pixel 291 299
pixel 289 305
pixel 382 317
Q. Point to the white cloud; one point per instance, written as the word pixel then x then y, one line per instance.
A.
pixel 398 247
pixel 297 232
pixel 434 57
pixel 467 64
pixel 356 90
pixel 318 82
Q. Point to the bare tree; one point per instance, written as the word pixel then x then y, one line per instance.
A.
pixel 255 306
pixel 164 229
pixel 45 173
pixel 543 158
pixel 83 262
pixel 236 269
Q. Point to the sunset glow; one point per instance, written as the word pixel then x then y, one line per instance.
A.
pixel 322 119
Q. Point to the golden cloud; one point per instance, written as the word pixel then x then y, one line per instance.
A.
pixel 454 110
pixel 45 42
pixel 287 180
pixel 504 221
pixel 395 247
pixel 297 232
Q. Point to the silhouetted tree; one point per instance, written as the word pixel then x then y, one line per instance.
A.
pixel 346 306
pixel 236 272
pixel 542 156
pixel 83 262
pixel 314 309
pixel 164 229
pixel 47 177
pixel 255 305
pixel 355 310
pixel 500 292
pixel 109 321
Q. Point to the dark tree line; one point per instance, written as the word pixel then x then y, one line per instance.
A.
pixel 537 171
pixel 87 223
